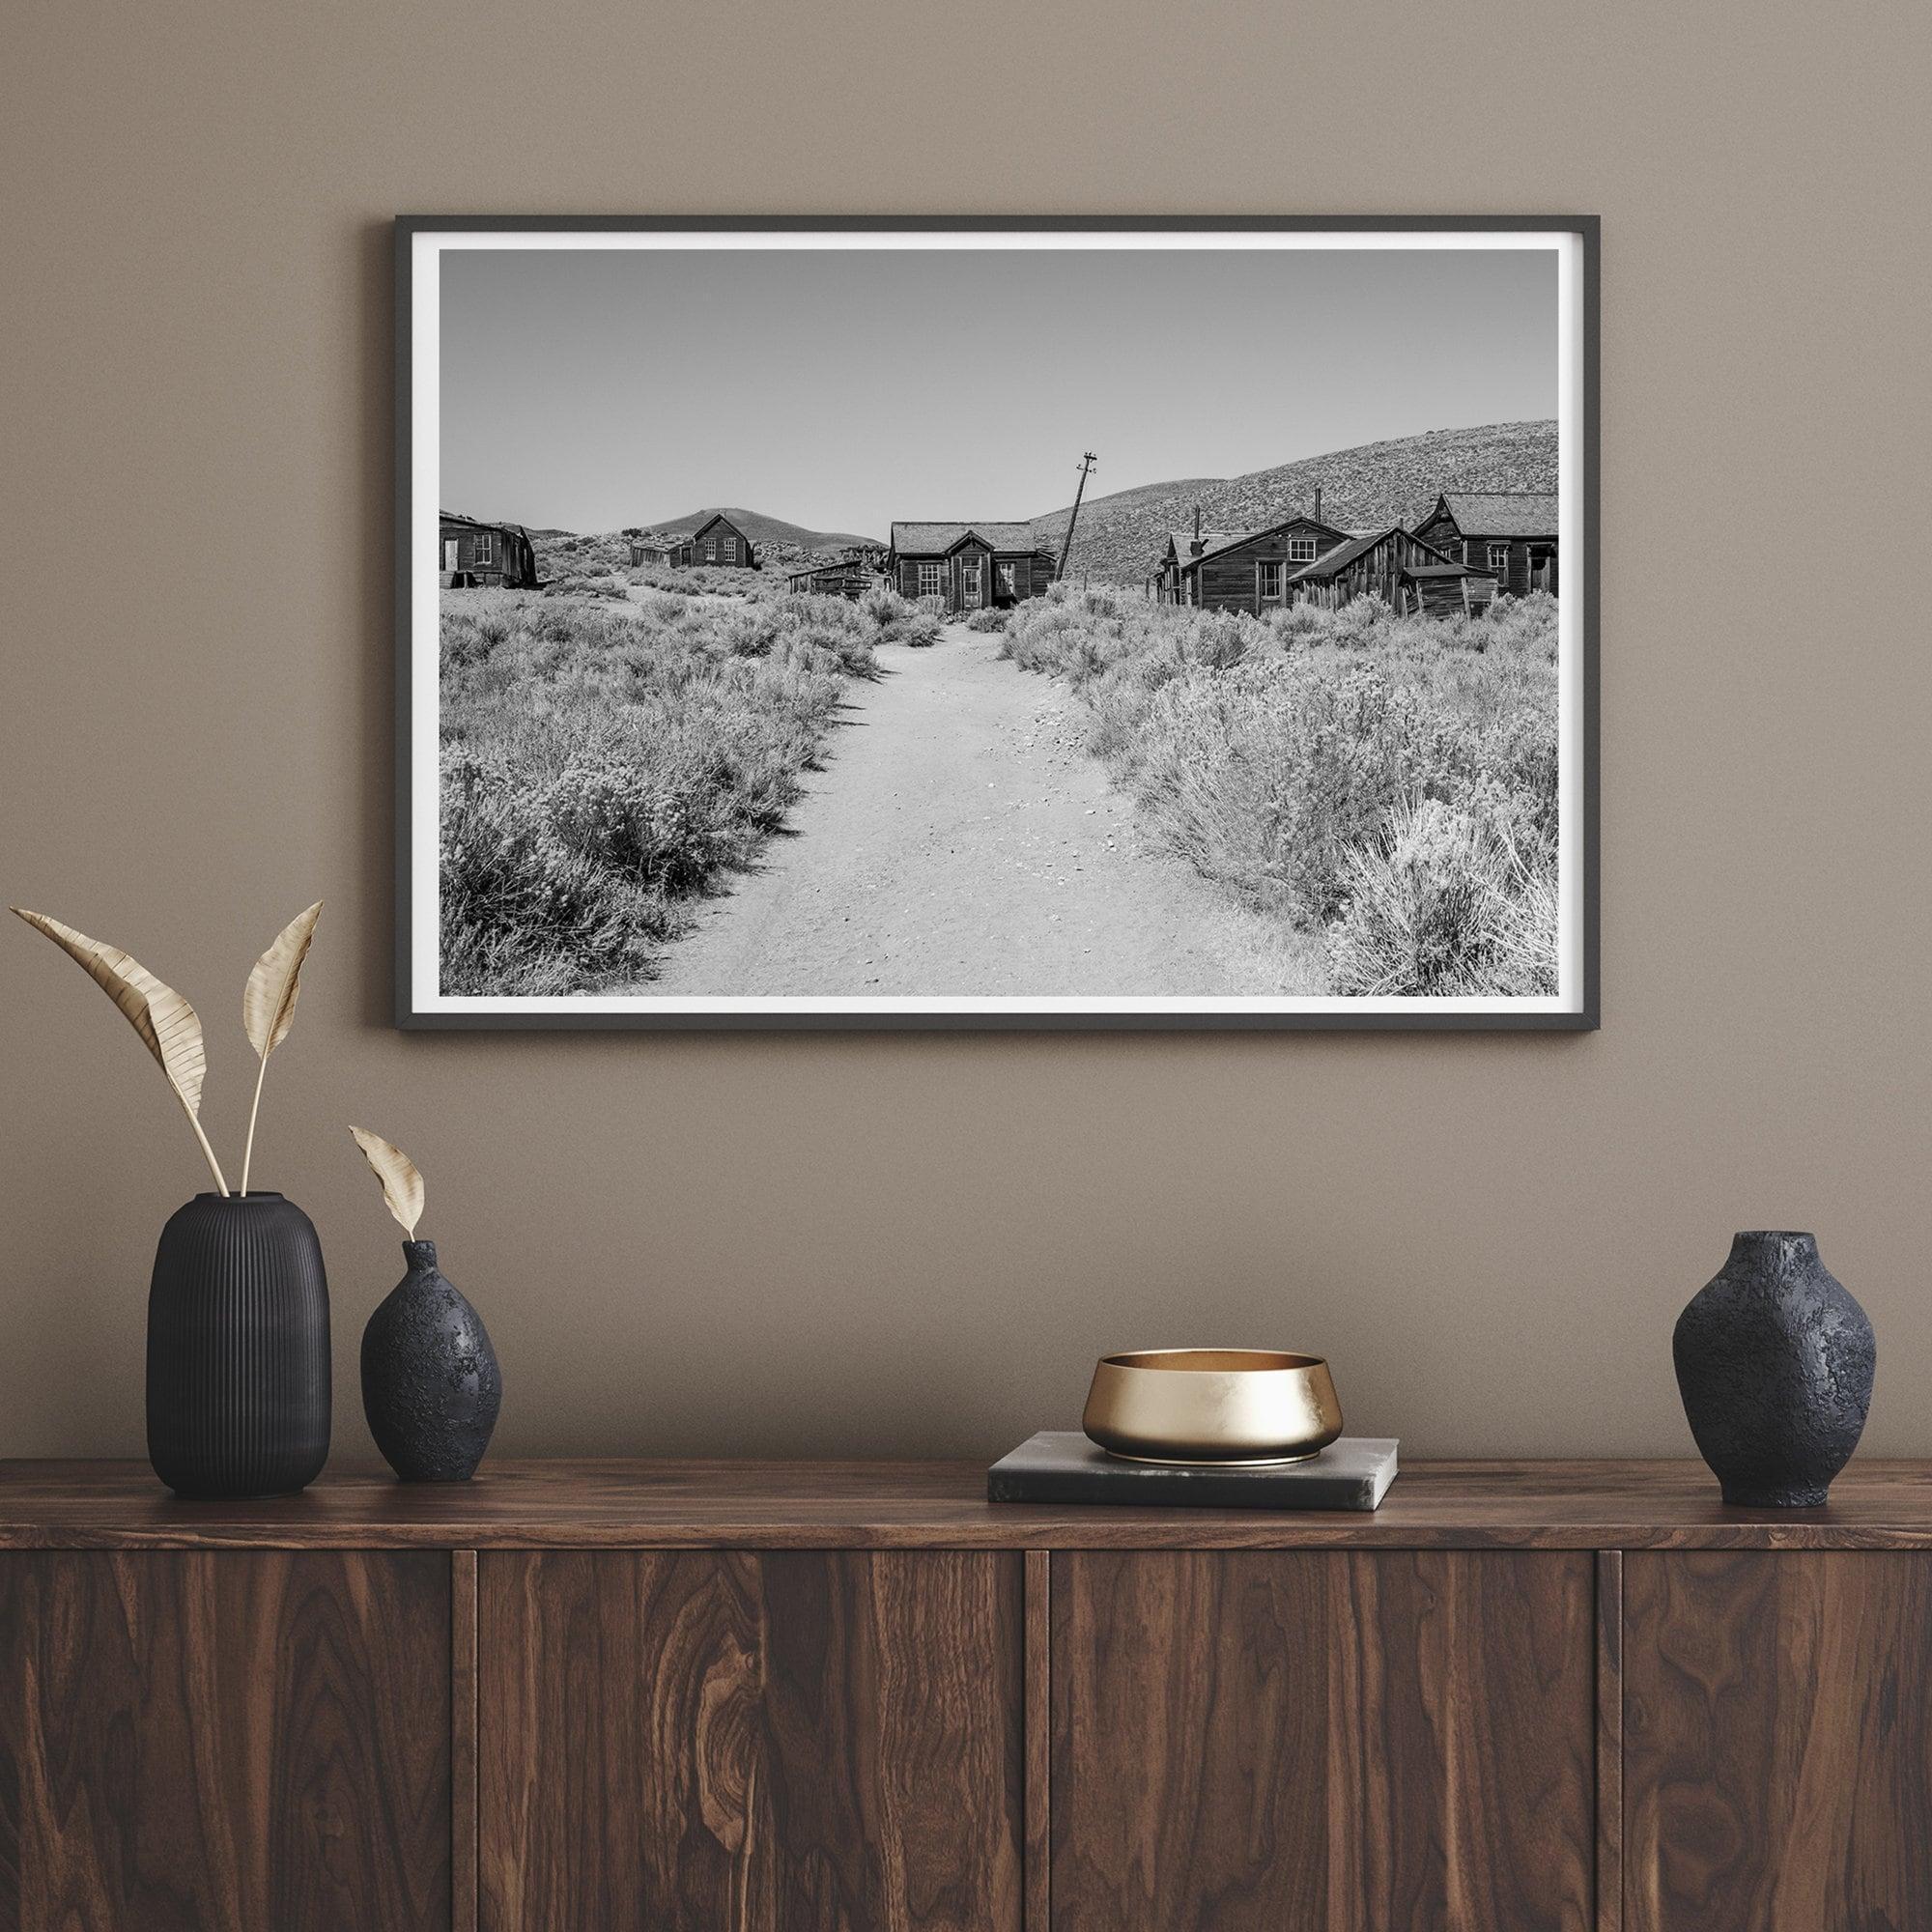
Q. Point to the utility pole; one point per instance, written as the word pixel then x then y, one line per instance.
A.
pixel 1087 462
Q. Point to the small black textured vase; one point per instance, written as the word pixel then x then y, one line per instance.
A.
pixel 431 1386
pixel 238 1349
pixel 1774 1362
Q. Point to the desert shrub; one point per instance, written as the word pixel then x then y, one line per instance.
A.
pixel 1296 622
pixel 604 762
pixel 751 630
pixel 899 619
pixel 702 579
pixel 1266 774
pixel 881 605
pixel 610 586
pixel 521 912
pixel 988 619
pixel 1362 620
pixel 1276 754
pixel 1445 903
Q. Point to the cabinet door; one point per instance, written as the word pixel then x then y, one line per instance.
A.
pixel 789 1742
pixel 203 1742
pixel 1777 1741
pixel 1323 1740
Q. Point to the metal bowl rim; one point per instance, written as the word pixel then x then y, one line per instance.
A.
pixel 1163 1362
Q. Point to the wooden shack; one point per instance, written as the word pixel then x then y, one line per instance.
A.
pixel 968 566
pixel 1242 570
pixel 717 542
pixel 1406 573
pixel 850 576
pixel 1508 534
pixel 473 554
pixel 652 551
pixel 1176 579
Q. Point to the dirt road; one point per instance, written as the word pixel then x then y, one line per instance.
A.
pixel 961 840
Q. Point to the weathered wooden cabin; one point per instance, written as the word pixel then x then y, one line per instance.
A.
pixel 1508 534
pixel 968 566
pixel 1240 570
pixel 1175 577
pixel 655 551
pixel 719 542
pixel 1406 573
pixel 850 576
pixel 471 555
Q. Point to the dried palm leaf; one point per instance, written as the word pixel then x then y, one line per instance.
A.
pixel 167 1023
pixel 269 1005
pixel 402 1184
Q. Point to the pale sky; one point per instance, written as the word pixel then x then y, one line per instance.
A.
pixel 588 390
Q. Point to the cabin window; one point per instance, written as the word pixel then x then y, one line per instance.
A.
pixel 1006 580
pixel 483 550
pixel 711 550
pixel 1500 559
pixel 1270 575
pixel 1301 549
pixel 931 579
pixel 727 550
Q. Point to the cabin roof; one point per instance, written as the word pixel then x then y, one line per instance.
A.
pixel 1344 555
pixel 1330 562
pixel 1440 570
pixel 1500 513
pixel 1215 541
pixel 480 524
pixel 716 516
pixel 936 539
pixel 1211 542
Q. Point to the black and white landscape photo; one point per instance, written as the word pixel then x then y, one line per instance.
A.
pixel 924 626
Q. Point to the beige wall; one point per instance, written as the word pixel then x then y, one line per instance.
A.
pixel 920 1244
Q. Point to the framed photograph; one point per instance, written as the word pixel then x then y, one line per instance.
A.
pixel 997 623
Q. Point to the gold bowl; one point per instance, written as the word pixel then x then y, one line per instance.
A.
pixel 1235 1406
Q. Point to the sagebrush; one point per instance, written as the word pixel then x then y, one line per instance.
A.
pixel 1388 780
pixel 604 758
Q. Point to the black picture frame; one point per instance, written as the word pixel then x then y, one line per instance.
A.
pixel 1584 1016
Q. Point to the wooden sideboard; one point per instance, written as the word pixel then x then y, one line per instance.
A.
pixel 845 1698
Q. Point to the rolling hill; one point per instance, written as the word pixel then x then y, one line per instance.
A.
pixel 760 529
pixel 1120 537
pixel 780 545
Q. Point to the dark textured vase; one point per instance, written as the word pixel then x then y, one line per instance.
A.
pixel 1774 1362
pixel 431 1386
pixel 238 1349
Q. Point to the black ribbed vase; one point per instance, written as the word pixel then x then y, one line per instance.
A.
pixel 238 1349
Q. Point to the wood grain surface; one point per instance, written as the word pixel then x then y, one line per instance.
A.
pixel 1328 1741
pixel 1038 1731
pixel 1778 1743
pixel 463 1793
pixel 216 1742
pixel 942 1505
pixel 1609 1740
pixel 794 1741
